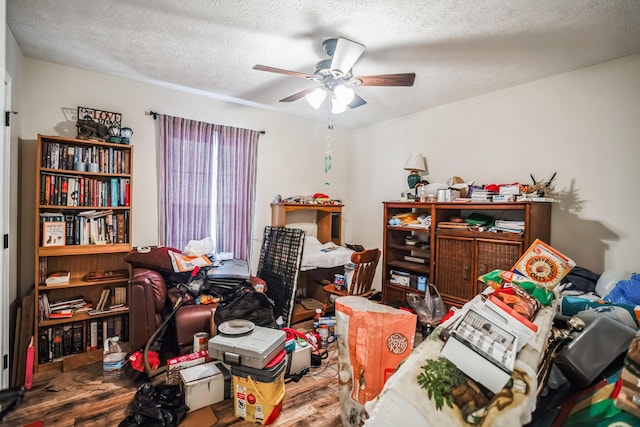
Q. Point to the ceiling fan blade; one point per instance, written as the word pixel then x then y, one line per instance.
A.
pixel 281 71
pixel 298 95
pixel 346 54
pixel 357 102
pixel 404 79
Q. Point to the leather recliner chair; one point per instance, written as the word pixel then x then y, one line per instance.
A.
pixel 149 295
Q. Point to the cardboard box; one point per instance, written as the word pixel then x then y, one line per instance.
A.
pixel 205 385
pixel 175 364
pixel 400 278
pixel 628 403
pixel 543 265
pixel 203 417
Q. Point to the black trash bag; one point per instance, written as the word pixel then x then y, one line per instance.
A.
pixel 161 406
pixel 246 303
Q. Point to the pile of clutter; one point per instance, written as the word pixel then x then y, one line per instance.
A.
pixel 311 199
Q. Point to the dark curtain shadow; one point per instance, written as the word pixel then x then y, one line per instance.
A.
pixel 583 240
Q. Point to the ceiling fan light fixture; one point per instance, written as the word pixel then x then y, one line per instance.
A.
pixel 337 108
pixel 316 97
pixel 344 95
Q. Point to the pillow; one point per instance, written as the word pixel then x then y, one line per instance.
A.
pixel 157 259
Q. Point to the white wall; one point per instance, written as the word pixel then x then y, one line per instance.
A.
pixel 290 155
pixel 584 124
pixel 581 124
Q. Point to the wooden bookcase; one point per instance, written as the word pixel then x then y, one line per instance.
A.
pixel 454 259
pixel 91 207
pixel 328 218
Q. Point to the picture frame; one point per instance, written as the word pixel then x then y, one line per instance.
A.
pixel 53 233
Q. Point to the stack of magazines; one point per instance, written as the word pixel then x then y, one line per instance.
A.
pixel 508 226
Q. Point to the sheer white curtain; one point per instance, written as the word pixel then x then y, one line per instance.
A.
pixel 207 176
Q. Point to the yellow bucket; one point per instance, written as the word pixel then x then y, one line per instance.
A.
pixel 258 393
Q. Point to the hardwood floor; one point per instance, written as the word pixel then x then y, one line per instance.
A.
pixel 83 397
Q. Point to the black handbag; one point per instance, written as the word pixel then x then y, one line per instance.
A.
pixel 246 303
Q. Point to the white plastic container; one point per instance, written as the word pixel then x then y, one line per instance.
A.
pixel 113 358
pixel 205 385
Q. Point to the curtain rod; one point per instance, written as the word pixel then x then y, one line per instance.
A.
pixel 155 116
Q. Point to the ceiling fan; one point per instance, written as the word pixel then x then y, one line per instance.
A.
pixel 335 76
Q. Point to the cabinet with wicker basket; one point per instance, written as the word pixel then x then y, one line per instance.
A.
pixel 82 233
pixel 458 253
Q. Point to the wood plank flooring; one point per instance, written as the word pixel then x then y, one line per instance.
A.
pixel 83 397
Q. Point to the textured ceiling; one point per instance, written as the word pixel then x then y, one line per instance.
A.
pixel 457 48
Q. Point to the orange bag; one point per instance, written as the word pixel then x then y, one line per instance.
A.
pixel 378 338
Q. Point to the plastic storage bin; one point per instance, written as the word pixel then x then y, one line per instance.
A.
pixel 258 393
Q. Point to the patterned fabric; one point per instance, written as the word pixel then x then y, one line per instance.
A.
pixel 207 172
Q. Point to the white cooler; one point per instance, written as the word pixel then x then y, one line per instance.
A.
pixel 205 385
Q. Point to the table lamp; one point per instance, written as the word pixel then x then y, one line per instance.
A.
pixel 415 164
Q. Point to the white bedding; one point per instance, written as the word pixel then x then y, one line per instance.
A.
pixel 319 255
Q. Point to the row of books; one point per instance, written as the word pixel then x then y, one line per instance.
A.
pixel 85 228
pixel 63 190
pixel 58 341
pixel 111 300
pixel 62 156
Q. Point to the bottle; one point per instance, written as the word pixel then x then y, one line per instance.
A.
pixel 113 358
pixel 316 317
pixel 324 336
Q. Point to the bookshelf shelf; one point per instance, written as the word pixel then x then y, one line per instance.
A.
pixel 84 185
pixel 81 317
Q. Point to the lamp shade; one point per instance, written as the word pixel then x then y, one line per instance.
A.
pixel 415 162
pixel 316 97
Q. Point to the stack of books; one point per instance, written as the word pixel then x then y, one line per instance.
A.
pixel 106 304
pixel 482 195
pixel 60 309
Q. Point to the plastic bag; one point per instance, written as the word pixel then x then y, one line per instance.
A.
pixel 199 247
pixel 626 291
pixel 438 309
pixel 430 309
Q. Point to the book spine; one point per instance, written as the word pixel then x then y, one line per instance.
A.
pixel 67 340
pixel 77 339
pixel 69 221
pixel 43 345
pixel 114 192
pixel 28 374
pixel 57 342
pixel 125 327
pixel 94 335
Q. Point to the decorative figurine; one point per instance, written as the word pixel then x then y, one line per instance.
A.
pixel 125 135
pixel 114 131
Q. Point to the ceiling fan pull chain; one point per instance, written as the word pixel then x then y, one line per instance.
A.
pixel 327 155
